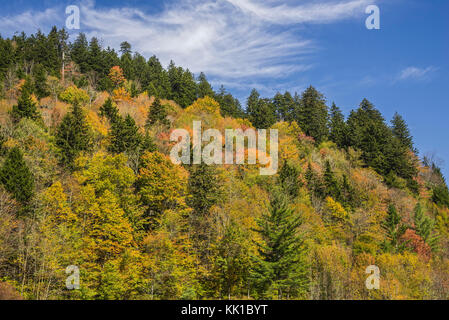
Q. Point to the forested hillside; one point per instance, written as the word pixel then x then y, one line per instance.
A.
pixel 86 180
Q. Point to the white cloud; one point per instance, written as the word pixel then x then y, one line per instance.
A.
pixel 229 40
pixel 30 21
pixel 415 73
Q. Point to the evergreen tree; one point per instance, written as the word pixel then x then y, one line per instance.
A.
pixel 330 182
pixel 261 112
pixel 425 227
pixel 401 131
pixel 109 109
pixel 312 114
pixel 337 127
pixel 17 177
pixel 125 136
pixel 25 108
pixel 288 178
pixel 394 229
pixel 204 187
pixel 280 269
pixel 40 81
pixel 229 106
pixel 73 136
pixel 157 114
pixel 204 88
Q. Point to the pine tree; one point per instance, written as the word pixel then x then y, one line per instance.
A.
pixel 401 131
pixel 40 81
pixel 394 229
pixel 229 106
pixel 109 109
pixel 125 136
pixel 73 136
pixel 425 227
pixel 337 127
pixel 204 88
pixel 25 108
pixel 261 112
pixel 288 177
pixel 157 114
pixel 17 177
pixel 280 269
pixel 313 114
pixel 204 187
pixel 330 182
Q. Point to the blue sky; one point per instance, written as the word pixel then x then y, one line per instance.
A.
pixel 285 45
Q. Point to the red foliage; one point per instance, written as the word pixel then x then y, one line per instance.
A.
pixel 417 244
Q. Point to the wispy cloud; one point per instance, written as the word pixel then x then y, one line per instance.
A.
pixel 415 73
pixel 230 40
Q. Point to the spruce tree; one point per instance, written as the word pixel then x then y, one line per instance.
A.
pixel 394 229
pixel 204 88
pixel 25 108
pixel 157 114
pixel 110 111
pixel 125 136
pixel 337 127
pixel 261 112
pixel 330 182
pixel 17 177
pixel 73 136
pixel 425 227
pixel 401 131
pixel 204 187
pixel 280 268
pixel 313 114
pixel 288 178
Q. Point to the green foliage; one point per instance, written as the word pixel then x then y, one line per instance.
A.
pixel 280 269
pixel 260 112
pixel 401 131
pixel 16 177
pixel 158 114
pixel 25 108
pixel 394 229
pixel 312 115
pixel 338 130
pixel 288 178
pixel 73 136
pixel 425 227
pixel 204 187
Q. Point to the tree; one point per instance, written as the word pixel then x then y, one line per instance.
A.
pixel 425 227
pixel 281 268
pixel 73 136
pixel 401 131
pixel 161 186
pixel 40 81
pixel 157 114
pixel 313 115
pixel 25 108
pixel 204 88
pixel 116 76
pixel 394 230
pixel 260 112
pixel 17 177
pixel 337 127
pixel 288 178
pixel 330 182
pixel 204 187
pixel 124 136
pixel 110 110
pixel 229 106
